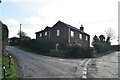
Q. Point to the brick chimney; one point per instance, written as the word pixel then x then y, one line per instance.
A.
pixel 82 28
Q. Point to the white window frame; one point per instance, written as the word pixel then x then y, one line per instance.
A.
pixel 80 36
pixel 46 33
pixel 58 32
pixel 86 38
pixel 40 34
pixel 72 33
pixel 57 46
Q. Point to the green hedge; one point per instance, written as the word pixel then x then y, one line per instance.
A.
pixel 101 47
pixel 36 45
pixel 77 51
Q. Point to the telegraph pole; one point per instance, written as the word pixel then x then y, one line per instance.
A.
pixel 20 31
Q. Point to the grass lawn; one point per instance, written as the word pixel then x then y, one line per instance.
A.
pixel 11 72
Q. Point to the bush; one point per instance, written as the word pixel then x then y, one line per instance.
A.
pixel 77 51
pixel 14 41
pixel 36 45
pixel 101 47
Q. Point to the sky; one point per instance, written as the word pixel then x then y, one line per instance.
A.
pixel 96 16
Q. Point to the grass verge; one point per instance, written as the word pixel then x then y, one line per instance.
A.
pixel 96 55
pixel 0 67
pixel 13 71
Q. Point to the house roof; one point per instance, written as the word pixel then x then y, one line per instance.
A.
pixel 73 27
pixel 43 30
pixel 67 25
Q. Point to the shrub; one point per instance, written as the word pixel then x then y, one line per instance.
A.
pixel 36 45
pixel 101 47
pixel 77 51
pixel 14 41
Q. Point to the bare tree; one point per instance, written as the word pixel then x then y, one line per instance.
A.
pixel 110 33
pixel 21 34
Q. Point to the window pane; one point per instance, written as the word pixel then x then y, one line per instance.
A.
pixel 40 34
pixel 58 32
pixel 80 36
pixel 72 33
pixel 86 37
pixel 45 33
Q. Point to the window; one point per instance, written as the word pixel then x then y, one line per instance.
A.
pixel 80 36
pixel 58 32
pixel 57 46
pixel 72 33
pixel 45 33
pixel 86 37
pixel 40 34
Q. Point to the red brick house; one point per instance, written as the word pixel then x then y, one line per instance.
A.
pixel 64 34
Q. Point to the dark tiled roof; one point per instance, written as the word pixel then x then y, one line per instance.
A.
pixel 43 30
pixel 73 27
pixel 64 24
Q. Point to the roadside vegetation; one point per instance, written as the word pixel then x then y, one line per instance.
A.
pixel 43 47
pixel 9 72
pixel 13 71
pixel 101 46
pixel 0 67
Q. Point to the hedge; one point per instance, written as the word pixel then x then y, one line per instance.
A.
pixel 77 51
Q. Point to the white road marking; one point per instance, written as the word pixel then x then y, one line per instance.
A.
pixel 84 76
pixel 83 61
pixel 84 72
pixel 88 62
pixel 85 69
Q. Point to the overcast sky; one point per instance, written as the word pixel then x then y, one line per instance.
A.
pixel 34 15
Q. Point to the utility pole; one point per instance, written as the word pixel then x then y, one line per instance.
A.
pixel 20 31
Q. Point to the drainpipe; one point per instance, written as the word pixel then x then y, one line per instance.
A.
pixel 68 35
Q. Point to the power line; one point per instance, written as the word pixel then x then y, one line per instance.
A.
pixel 94 22
pixel 100 21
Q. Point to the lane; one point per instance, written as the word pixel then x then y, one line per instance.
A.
pixel 105 67
pixel 37 66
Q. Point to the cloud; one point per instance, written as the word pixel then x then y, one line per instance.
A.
pixel 34 20
pixel 13 26
pixel 12 22
pixel 27 0
pixel 90 13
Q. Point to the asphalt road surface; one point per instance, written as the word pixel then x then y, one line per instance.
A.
pixel 104 67
pixel 38 66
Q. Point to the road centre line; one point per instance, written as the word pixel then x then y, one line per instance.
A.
pixel 84 76
pixel 83 61
pixel 87 62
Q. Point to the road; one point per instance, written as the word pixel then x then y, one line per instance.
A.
pixel 104 67
pixel 38 66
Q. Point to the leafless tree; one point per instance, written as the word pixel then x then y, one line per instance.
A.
pixel 21 34
pixel 110 33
